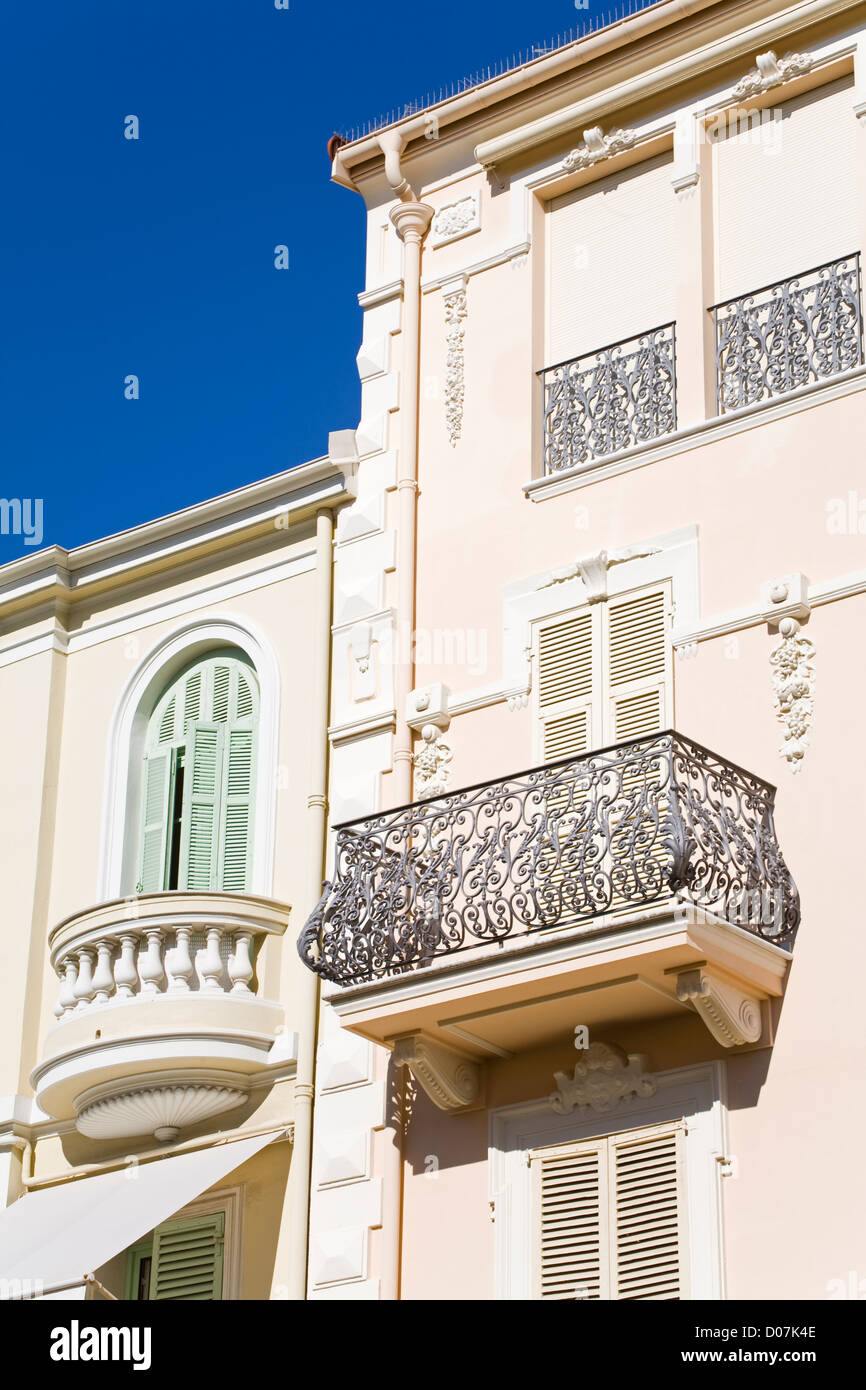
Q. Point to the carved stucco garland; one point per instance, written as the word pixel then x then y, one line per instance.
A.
pixel 772 71
pixel 455 314
pixel 793 663
pixel 432 761
pixel 457 217
pixel 597 146
pixel 603 1077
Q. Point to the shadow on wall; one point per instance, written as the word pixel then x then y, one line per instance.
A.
pixel 460 1138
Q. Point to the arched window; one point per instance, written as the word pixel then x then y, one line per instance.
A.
pixel 198 780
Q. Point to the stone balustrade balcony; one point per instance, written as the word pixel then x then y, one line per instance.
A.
pixel 161 1016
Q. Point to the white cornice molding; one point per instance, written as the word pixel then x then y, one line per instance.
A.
pixel 507 253
pixel 57 575
pixel 664 74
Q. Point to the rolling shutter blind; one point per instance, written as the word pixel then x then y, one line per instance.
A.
pixel 610 1217
pixel 188 1259
pixel 786 190
pixel 611 261
pixel 201 806
pixel 154 821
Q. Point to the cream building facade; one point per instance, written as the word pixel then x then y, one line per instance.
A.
pixel 589 1030
pixel 593 1030
pixel 163 815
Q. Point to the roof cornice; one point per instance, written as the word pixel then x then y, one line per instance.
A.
pixel 703 32
pixel 54 577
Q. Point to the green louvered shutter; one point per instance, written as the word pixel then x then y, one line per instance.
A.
pixel 154 822
pixel 188 1259
pixel 237 811
pixel 199 840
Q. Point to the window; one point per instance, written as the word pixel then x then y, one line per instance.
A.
pixel 785 182
pixel 609 1217
pixel 198 780
pixel 603 674
pixel 611 256
pixel 182 1260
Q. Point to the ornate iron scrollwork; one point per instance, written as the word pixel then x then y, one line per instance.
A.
pixel 610 399
pixel 646 821
pixel 789 334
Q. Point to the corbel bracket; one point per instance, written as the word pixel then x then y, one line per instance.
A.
pixel 451 1079
pixel 732 1016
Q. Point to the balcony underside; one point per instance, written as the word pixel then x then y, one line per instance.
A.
pixel 532 991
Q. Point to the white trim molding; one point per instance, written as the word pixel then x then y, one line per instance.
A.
pixel 692 1094
pixel 126 735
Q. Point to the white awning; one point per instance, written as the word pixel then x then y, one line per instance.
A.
pixel 53 1238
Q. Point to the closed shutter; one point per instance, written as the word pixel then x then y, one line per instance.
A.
pixel 785 182
pixel 201 806
pixel 637 665
pixel 571 1206
pixel 648 1215
pixel 610 1217
pixel 567 654
pixel 188 1259
pixel 237 811
pixel 611 260
pixel 154 822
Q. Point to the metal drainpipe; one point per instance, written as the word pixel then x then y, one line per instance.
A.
pixel 412 220
pixel 308 1003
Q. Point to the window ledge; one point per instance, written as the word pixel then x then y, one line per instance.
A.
pixel 692 436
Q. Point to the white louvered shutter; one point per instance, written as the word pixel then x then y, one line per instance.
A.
pixel 571 1201
pixel 567 657
pixel 153 839
pixel 188 1259
pixel 201 806
pixel 648 1215
pixel 638 665
pixel 611 259
pixel 609 1217
pixel 786 190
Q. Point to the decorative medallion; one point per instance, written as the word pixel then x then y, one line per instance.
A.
pixel 604 1076
pixel 771 71
pixel 598 146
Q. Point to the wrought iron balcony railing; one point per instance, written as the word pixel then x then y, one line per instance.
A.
pixel 649 820
pixel 610 399
pixel 789 334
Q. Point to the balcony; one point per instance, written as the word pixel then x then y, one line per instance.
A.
pixel 791 334
pixel 609 400
pixel 634 882
pixel 161 1021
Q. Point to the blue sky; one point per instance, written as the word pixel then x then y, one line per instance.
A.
pixel 155 257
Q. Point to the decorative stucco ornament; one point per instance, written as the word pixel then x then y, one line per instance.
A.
pixel 793 682
pixel 598 146
pixel 432 760
pixel 604 1076
pixel 771 71
pixel 455 315
pixel 456 219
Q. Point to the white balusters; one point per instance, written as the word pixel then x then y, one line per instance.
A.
pixel 83 987
pixel 66 1000
pixel 103 979
pixel 240 967
pixel 178 963
pixel 210 962
pixel 150 967
pixel 125 968
pixel 141 961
